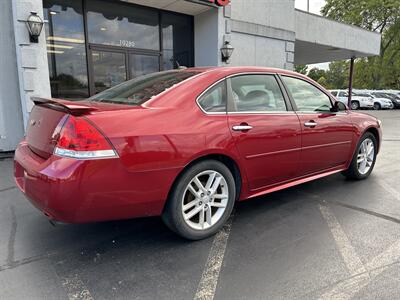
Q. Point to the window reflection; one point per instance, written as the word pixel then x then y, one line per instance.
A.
pixel 177 40
pixel 115 24
pixel 108 69
pixel 143 64
pixel 66 52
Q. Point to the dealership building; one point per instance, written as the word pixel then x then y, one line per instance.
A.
pixel 86 46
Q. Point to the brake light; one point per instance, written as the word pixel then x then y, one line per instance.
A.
pixel 80 139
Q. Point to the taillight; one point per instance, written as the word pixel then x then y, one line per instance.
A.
pixel 80 139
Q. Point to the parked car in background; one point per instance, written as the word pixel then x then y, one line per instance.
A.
pixel 187 144
pixel 379 102
pixel 357 102
pixel 393 97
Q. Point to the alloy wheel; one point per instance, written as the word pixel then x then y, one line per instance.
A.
pixel 354 105
pixel 205 199
pixel 366 156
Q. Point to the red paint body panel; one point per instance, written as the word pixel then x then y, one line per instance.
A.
pixel 157 140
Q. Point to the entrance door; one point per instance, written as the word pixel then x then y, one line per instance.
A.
pixel 110 66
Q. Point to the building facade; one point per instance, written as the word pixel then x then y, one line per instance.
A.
pixel 87 46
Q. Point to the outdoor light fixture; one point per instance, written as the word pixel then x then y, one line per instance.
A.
pixel 226 52
pixel 35 25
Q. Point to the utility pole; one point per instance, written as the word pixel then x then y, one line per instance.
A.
pixel 351 81
pixel 308 5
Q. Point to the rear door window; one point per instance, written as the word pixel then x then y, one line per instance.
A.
pixel 257 93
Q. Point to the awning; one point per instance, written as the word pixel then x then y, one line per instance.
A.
pixel 319 39
pixel 189 7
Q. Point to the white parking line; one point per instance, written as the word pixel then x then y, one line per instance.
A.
pixel 361 275
pixel 209 278
pixel 349 254
pixel 389 189
pixel 76 289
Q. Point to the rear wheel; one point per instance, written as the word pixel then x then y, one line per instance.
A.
pixel 355 105
pixel 364 158
pixel 377 106
pixel 201 200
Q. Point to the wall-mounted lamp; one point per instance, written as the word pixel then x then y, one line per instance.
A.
pixel 226 51
pixel 35 25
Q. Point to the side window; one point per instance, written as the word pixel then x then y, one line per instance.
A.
pixel 257 93
pixel 214 100
pixel 334 93
pixel 343 94
pixel 306 96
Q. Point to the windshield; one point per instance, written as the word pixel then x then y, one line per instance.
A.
pixel 141 89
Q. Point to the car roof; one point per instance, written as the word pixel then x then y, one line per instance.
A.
pixel 244 69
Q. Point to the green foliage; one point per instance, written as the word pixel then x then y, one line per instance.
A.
pixel 316 74
pixel 302 69
pixel 382 16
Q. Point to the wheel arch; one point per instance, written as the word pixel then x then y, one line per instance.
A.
pixel 375 133
pixel 228 161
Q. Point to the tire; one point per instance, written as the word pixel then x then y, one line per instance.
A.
pixel 180 220
pixel 377 106
pixel 355 170
pixel 355 105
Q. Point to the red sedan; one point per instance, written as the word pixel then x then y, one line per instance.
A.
pixel 186 144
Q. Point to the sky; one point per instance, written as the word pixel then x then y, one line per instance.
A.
pixel 315 7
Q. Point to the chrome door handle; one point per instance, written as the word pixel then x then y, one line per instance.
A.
pixel 242 127
pixel 310 124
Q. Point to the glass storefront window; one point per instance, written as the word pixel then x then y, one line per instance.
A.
pixel 177 31
pixel 118 24
pixel 66 52
pixel 143 64
pixel 108 68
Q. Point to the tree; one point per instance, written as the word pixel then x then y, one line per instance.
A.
pixel 302 69
pixel 382 16
pixel 338 74
pixel 316 74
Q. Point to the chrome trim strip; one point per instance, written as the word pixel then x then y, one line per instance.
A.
pixel 85 155
pixel 272 153
pixel 326 145
pixel 261 112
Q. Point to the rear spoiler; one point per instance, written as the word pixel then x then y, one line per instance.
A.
pixel 70 107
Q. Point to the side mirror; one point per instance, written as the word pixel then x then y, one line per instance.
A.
pixel 339 106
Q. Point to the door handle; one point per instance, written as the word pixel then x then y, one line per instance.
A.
pixel 242 127
pixel 310 124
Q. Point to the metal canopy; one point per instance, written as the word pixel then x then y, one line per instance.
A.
pixel 180 6
pixel 319 39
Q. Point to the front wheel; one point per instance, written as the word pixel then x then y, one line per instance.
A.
pixel 364 158
pixel 355 105
pixel 377 106
pixel 201 200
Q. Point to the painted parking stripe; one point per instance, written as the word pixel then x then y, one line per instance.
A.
pixel 361 275
pixel 389 189
pixel 209 278
pixel 76 289
pixel 349 254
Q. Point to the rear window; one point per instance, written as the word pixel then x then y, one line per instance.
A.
pixel 141 89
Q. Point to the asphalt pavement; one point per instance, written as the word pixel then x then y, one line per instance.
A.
pixel 330 238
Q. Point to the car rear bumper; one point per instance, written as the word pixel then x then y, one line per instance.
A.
pixel 79 191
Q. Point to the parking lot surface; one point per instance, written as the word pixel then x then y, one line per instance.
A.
pixel 326 239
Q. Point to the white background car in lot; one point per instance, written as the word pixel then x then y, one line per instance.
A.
pixel 379 102
pixel 357 102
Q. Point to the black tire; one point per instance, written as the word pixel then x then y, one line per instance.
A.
pixel 377 106
pixel 173 216
pixel 355 105
pixel 353 172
